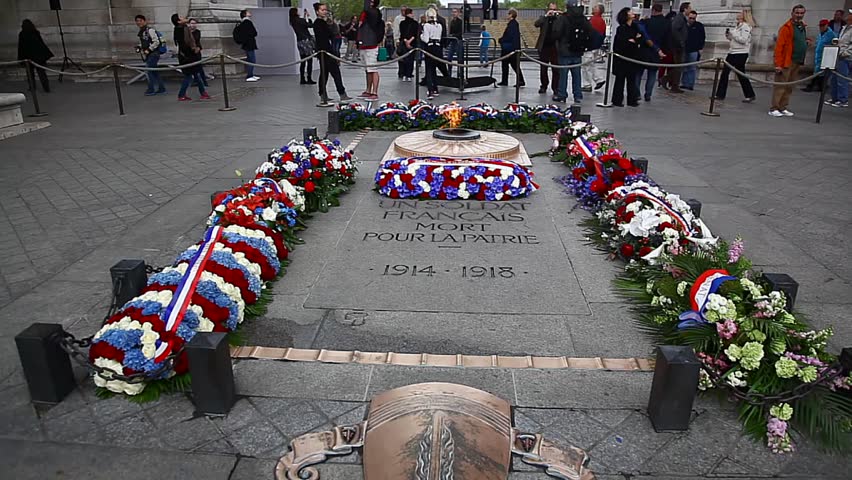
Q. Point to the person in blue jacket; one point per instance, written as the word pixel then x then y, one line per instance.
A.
pixel 511 42
pixel 826 35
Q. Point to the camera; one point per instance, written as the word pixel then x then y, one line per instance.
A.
pixel 138 49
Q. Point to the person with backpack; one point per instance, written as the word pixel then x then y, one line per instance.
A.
pixel 151 46
pixel 546 46
pixel 188 52
pixel 246 37
pixel 196 34
pixel 575 37
pixel 592 79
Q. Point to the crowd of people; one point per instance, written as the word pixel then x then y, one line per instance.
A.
pixel 662 50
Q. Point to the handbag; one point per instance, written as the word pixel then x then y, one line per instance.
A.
pixel 306 46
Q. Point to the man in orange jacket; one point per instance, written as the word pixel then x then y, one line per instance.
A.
pixel 790 50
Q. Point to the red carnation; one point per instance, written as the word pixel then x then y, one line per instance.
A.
pixel 629 216
pixel 625 164
pixel 314 161
pixel 578 172
pixel 644 251
pixel 627 250
pixel 598 186
pixel 617 185
pixel 309 186
pixel 317 174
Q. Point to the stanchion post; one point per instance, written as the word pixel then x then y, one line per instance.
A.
pixel 31 80
pixel 118 90
pixel 46 365
pixel 824 81
pixel 462 70
pixel 718 69
pixel 605 103
pixel 213 389
pixel 227 107
pixel 417 74
pixel 673 388
pixel 518 76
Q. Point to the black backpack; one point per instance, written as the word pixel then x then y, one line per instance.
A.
pixel 578 34
pixel 238 35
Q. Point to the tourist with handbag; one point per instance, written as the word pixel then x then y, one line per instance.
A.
pixel 305 43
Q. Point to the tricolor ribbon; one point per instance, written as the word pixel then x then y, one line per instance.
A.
pixel 706 283
pixel 173 314
pixel 589 153
pixel 269 183
pixel 662 203
pixel 390 110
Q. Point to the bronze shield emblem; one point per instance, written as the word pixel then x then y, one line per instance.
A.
pixel 437 431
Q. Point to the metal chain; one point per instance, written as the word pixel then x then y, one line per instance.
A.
pixel 73 347
pixel 828 374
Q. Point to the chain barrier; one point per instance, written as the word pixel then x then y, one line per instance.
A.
pixel 770 82
pixel 280 65
pixel 828 374
pixel 662 65
pixel 562 67
pixel 13 62
pixel 370 65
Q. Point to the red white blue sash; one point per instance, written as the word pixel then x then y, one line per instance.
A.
pixel 268 182
pixel 388 111
pixel 589 153
pixel 706 283
pixel 173 314
pixel 662 203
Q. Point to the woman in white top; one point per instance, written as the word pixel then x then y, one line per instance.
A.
pixel 431 38
pixel 740 38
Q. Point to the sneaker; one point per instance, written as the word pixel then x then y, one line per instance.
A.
pixel 345 98
pixel 840 104
pixel 150 93
pixel 647 99
pixel 205 96
pixel 829 102
pixel 256 77
pixel 325 103
pixel 559 99
pixel 775 113
pixel 787 113
pixel 252 79
pixel 600 84
pixel 587 88
pixel 750 100
pixel 184 99
pixel 162 91
pixel 542 89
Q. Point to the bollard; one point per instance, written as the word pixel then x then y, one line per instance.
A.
pixel 674 387
pixel 846 359
pixel 695 206
pixel 118 90
pixel 462 70
pixel 46 365
pixel 213 390
pixel 824 81
pixel 712 112
pixel 518 77
pixel 577 114
pixel 333 122
pixel 309 133
pixel 641 163
pixel 227 107
pixel 416 77
pixel 128 278
pixel 784 283
pixel 605 103
pixel 31 80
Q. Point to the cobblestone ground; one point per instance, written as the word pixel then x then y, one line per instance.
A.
pixel 96 187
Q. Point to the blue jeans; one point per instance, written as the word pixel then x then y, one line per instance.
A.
pixel 187 79
pixel 576 78
pixel 483 54
pixel 649 82
pixel 689 73
pixel 154 79
pixel 840 86
pixel 453 53
pixel 251 57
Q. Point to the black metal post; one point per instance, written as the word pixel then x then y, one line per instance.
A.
pixel 128 278
pixel 784 283
pixel 333 122
pixel 641 163
pixel 46 365
pixel 309 133
pixel 417 74
pixel 118 90
pixel 517 76
pixel 213 390
pixel 462 70
pixel 227 107
pixel 31 80
pixel 824 80
pixel 695 206
pixel 718 69
pixel 674 387
pixel 605 103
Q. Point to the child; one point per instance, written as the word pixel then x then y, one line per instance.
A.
pixel 484 43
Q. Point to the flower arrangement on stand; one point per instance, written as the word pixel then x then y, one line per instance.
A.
pixel 692 289
pixel 450 179
pixel 549 118
pixel 320 168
